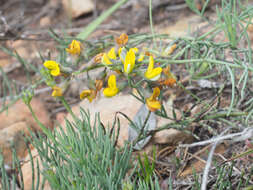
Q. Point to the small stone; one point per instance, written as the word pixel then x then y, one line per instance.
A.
pixel 76 8
pixel 45 21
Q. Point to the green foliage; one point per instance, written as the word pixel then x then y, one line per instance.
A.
pixel 192 4
pixel 146 168
pixel 83 157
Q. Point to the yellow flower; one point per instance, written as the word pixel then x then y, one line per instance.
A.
pixel 111 54
pixel 112 89
pixel 106 60
pixel 107 56
pixel 57 91
pixel 152 102
pixel 89 94
pixel 74 47
pixel 129 62
pixel 153 73
pixel 53 67
pixel 122 40
pixel 135 49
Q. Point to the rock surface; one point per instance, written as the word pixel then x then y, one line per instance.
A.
pixel 14 125
pixel 20 112
pixel 13 135
pixel 76 8
pixel 27 174
pixel 127 104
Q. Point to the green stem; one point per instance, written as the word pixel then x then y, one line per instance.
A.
pixel 151 22
pixel 93 25
pixel 224 115
pixel 43 127
pixel 142 128
pixel 68 108
pixel 232 65
pixel 209 32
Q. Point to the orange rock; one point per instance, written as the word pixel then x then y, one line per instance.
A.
pixel 107 107
pixel 20 112
pixel 45 21
pixel 76 8
pixel 127 104
pixel 27 172
pixel 13 135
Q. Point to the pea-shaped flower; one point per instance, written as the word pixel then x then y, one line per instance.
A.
pixel 152 73
pixel 112 88
pixel 57 91
pixel 111 54
pixel 106 59
pixel 129 62
pixel 152 102
pixel 74 47
pixel 53 67
pixel 122 40
pixel 89 94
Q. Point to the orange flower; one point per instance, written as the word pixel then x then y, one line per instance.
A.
pixel 122 40
pixel 98 58
pixel 168 82
pixel 152 102
pixel 170 78
pixel 147 53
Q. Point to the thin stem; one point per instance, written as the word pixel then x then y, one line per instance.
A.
pixel 68 108
pixel 142 128
pixel 151 22
pixel 41 125
pixel 232 65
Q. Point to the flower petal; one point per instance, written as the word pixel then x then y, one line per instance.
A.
pixel 106 60
pixel 50 64
pixel 112 81
pixel 57 91
pixel 152 102
pixel 153 105
pixel 112 89
pixel 122 40
pixel 109 92
pixel 111 54
pixel 154 74
pixel 156 92
pixel 85 94
pixel 74 47
pixel 55 72
pixel 151 64
pixel 129 62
